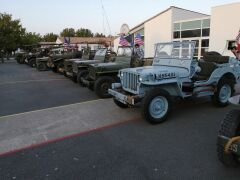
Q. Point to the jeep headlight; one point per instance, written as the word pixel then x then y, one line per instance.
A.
pixel 140 79
pixel 121 74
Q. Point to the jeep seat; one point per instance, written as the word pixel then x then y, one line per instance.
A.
pixel 206 70
pixel 219 59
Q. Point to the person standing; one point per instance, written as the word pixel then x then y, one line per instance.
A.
pixel 139 52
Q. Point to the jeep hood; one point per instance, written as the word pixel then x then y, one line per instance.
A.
pixel 157 70
pixel 110 66
pixel 82 62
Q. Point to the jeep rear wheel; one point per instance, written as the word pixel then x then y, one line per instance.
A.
pixel 156 106
pixel 224 92
pixel 230 127
pixel 81 74
pixel 102 85
pixel 120 104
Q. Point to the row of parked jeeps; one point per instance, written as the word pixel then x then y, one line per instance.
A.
pixel 172 74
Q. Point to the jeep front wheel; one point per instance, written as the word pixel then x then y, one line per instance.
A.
pixel 224 92
pixel 156 106
pixel 82 74
pixel 41 67
pixel 32 63
pixel 230 127
pixel 102 85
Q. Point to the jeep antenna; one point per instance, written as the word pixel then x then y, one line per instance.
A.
pixel 107 20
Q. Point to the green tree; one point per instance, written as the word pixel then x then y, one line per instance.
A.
pixel 30 38
pixel 68 32
pixel 84 33
pixel 50 37
pixel 99 35
pixel 11 33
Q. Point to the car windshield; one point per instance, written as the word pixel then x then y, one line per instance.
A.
pixel 124 51
pixel 175 50
pixel 101 52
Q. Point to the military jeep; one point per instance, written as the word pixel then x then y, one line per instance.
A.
pixel 80 67
pixel 102 75
pixel 56 62
pixel 228 144
pixel 20 57
pixel 175 75
pixel 87 54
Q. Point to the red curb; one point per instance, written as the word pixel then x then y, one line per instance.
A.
pixel 66 137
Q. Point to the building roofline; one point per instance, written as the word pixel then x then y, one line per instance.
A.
pixel 229 4
pixel 171 7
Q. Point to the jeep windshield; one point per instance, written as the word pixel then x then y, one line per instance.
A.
pixel 178 54
pixel 101 52
pixel 125 51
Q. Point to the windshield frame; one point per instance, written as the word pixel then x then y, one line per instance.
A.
pixel 184 45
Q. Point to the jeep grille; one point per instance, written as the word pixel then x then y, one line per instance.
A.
pixel 75 67
pixel 130 81
pixel 68 66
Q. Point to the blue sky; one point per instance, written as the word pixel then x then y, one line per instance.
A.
pixel 45 16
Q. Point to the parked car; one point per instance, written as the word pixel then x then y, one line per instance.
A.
pixel 102 75
pixel 175 74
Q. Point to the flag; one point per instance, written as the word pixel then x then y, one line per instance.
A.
pixel 123 41
pixel 138 40
pixel 66 41
pixel 129 38
pixel 238 41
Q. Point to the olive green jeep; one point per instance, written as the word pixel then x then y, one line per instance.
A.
pixel 102 75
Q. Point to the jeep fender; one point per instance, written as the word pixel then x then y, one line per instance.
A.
pixel 173 88
pixel 218 74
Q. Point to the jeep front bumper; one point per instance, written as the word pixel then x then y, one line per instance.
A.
pixel 117 93
pixel 87 83
pixel 69 74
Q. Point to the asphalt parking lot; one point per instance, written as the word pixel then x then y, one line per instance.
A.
pixel 53 129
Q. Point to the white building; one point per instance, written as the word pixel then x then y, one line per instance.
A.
pixel 225 24
pixel 177 24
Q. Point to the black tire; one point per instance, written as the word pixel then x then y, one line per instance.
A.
pixel 41 67
pixel 149 97
pixel 32 63
pixel 216 97
pixel 230 127
pixel 102 85
pixel 120 104
pixel 81 74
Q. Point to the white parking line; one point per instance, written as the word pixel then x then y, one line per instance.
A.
pixel 46 109
pixel 30 81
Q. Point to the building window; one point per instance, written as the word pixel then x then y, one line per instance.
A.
pixel 176 34
pixel 176 26
pixel 197 30
pixel 205 32
pixel 191 25
pixel 206 23
pixel 191 33
pixel 205 43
